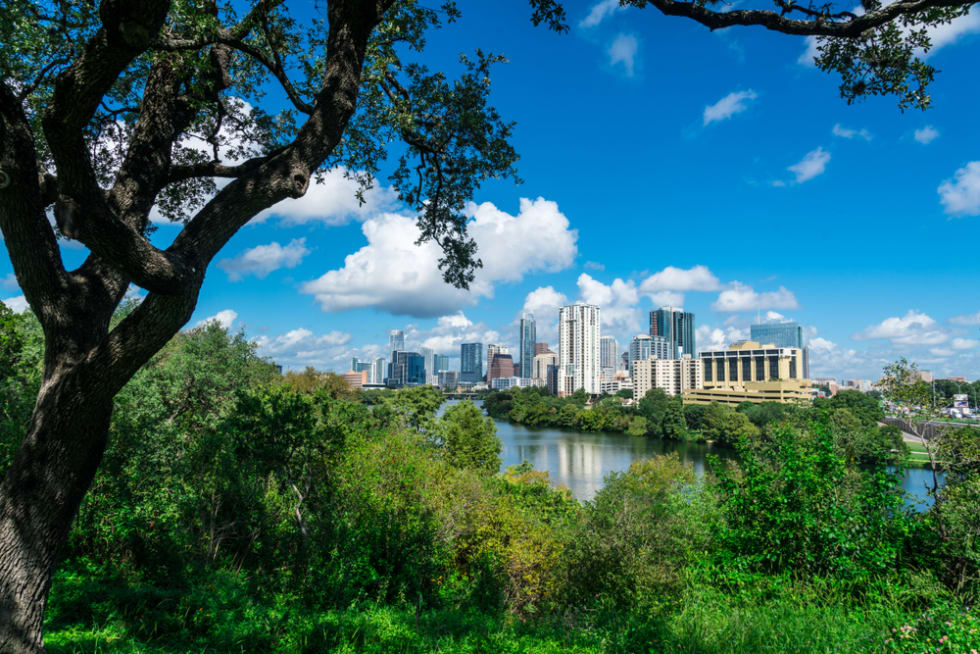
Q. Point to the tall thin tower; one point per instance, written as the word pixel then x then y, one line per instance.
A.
pixel 528 349
pixel 578 349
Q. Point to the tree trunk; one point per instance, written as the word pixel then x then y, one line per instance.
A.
pixel 41 494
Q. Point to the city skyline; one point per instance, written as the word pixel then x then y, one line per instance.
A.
pixel 875 276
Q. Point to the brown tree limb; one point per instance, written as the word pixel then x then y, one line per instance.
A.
pixel 820 26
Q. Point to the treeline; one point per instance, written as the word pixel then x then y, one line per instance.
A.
pixel 851 416
pixel 238 510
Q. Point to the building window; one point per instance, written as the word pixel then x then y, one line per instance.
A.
pixel 792 368
pixel 720 369
pixel 708 371
pixel 773 368
pixel 732 369
pixel 746 369
pixel 760 368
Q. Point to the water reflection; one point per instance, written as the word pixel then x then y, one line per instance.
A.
pixel 581 461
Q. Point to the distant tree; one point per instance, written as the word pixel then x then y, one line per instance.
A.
pixel 653 407
pixel 694 416
pixel 312 379
pixel 625 393
pixel 673 425
pixel 470 438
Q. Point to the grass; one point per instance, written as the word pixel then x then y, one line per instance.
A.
pixel 703 620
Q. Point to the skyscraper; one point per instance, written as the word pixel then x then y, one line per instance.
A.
pixel 429 361
pixel 378 370
pixel 608 353
pixel 644 347
pixel 528 338
pixel 407 369
pixel 677 326
pixel 396 341
pixel 471 362
pixel 442 363
pixel 783 334
pixel 578 349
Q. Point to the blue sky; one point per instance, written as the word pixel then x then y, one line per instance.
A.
pixel 662 163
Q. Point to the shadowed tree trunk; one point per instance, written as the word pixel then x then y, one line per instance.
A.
pixel 86 364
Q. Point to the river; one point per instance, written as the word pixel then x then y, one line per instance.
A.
pixel 582 460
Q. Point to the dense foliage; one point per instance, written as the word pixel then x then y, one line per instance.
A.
pixel 242 510
pixel 853 418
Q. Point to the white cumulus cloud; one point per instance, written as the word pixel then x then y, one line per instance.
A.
pixel 301 347
pixel 599 12
pixel 224 318
pixel 914 328
pixel 696 278
pixel 263 259
pixel 964 343
pixel 813 163
pixel 969 319
pixel 961 195
pixel 332 202
pixel 847 133
pixel 733 103
pixel 617 304
pixel 742 297
pixel 623 51
pixel 17 304
pixel 926 135
pixel 716 338
pixel 392 274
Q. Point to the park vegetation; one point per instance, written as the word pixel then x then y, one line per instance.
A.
pixel 239 510
pixel 851 417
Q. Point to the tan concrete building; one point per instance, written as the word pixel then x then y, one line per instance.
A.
pixel 674 376
pixel 356 379
pixel 751 372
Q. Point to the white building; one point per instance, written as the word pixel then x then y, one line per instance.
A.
pixel 608 356
pixel 674 376
pixel 578 349
pixel 378 371
pixel 503 383
pixel 616 385
pixel 429 355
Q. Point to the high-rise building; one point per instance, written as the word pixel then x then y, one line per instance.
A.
pixel 378 371
pixel 396 341
pixel 429 361
pixel 674 376
pixel 578 349
pixel 752 372
pixel 783 334
pixel 677 327
pixel 528 337
pixel 471 362
pixel 501 365
pixel 541 348
pixel 644 347
pixel 447 379
pixel 542 362
pixel 406 369
pixel 608 351
pixel 441 363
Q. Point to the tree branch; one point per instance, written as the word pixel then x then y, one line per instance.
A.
pixel 274 67
pixel 28 235
pixel 822 25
